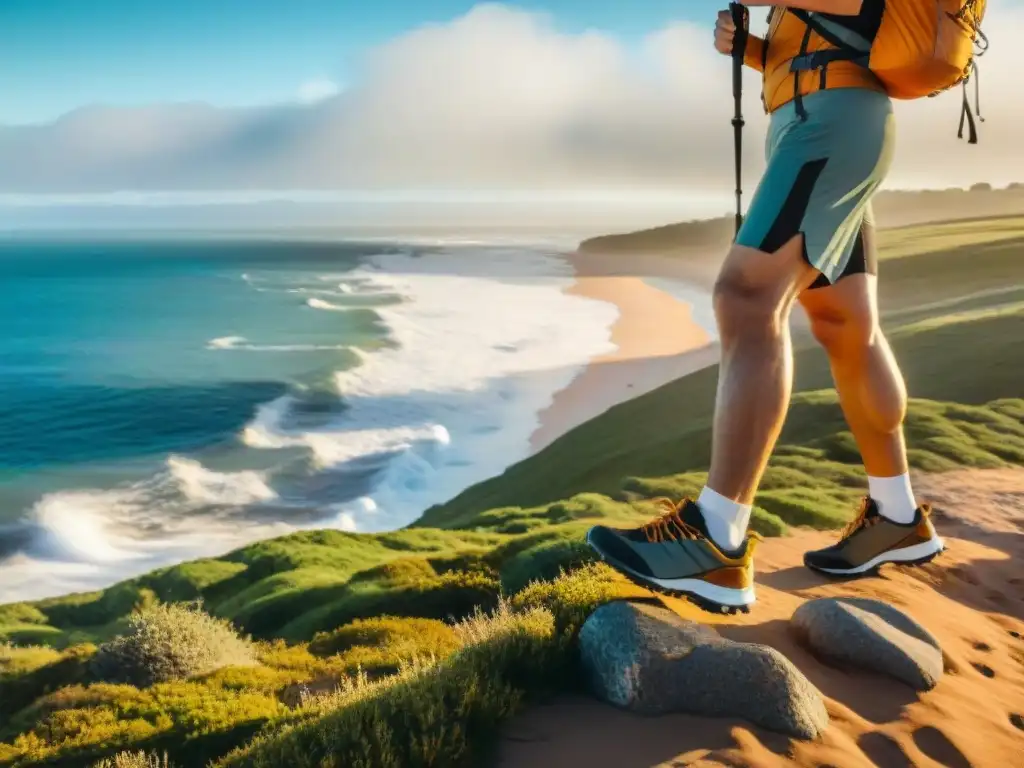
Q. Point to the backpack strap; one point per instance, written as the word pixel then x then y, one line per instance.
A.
pixel 828 34
pixel 805 61
pixel 798 98
pixel 764 54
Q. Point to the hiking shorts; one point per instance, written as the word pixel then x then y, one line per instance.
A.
pixel 822 173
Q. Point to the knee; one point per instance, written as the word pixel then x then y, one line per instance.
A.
pixel 843 333
pixel 746 307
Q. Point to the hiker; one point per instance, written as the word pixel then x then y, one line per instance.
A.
pixel 808 237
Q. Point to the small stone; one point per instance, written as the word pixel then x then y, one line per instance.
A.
pixel 872 635
pixel 649 660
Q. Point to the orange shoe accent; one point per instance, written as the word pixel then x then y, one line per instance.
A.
pixel 732 578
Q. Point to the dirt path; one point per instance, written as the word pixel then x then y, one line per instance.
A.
pixel 971 599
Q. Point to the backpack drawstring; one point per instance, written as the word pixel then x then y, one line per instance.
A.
pixel 965 113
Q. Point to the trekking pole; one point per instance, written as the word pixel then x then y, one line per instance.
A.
pixel 740 19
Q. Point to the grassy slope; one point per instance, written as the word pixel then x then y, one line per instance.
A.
pixel 494 540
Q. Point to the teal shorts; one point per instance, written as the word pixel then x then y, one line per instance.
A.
pixel 822 173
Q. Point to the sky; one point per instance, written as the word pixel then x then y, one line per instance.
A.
pixel 56 55
pixel 124 96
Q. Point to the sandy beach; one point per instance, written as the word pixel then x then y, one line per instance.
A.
pixel 656 337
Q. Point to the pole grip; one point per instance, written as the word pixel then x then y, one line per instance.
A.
pixel 741 20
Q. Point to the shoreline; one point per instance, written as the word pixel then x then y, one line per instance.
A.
pixel 657 340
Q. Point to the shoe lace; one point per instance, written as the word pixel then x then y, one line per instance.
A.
pixel 855 525
pixel 670 526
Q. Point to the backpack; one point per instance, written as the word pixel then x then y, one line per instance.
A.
pixel 923 47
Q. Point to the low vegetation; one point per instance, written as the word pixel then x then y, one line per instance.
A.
pixel 134 760
pixel 170 642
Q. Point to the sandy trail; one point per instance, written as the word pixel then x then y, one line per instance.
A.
pixel 971 599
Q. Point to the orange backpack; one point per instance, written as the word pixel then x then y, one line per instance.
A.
pixel 923 47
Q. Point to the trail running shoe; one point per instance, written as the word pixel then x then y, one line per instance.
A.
pixel 871 540
pixel 674 554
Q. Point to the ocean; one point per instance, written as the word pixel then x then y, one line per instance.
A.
pixel 166 400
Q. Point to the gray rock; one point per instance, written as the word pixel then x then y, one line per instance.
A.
pixel 872 635
pixel 647 659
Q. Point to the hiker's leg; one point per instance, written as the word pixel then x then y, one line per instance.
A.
pixel 700 550
pixel 753 297
pixel 872 393
pixel 890 527
pixel 823 167
pixel 844 320
pixel 760 279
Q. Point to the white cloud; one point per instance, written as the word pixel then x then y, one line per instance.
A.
pixel 500 98
pixel 316 90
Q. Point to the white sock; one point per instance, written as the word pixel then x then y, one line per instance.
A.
pixel 894 497
pixel 726 519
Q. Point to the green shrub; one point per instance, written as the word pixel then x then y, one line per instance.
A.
pixel 16 660
pixel 192 581
pixel 280 655
pixel 402 570
pixel 816 469
pixel 806 507
pixel 170 642
pixel 574 596
pixel 134 760
pixel 765 523
pixel 1010 407
pixel 585 506
pixel 192 721
pixel 452 595
pixel 963 453
pixel 25 635
pixel 780 477
pixel 267 680
pixel 429 715
pixel 926 461
pixel 25 681
pixel 428 635
pixel 96 608
pixel 21 613
pixel 545 560
pixel 266 605
pixel 840 447
pixel 468 562
pixel 675 487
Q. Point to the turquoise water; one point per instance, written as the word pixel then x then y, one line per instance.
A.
pixel 162 401
pixel 115 352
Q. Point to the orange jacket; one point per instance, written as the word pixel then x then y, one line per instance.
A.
pixel 785 35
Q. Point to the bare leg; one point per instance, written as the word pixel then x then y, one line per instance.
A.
pixel 873 396
pixel 753 298
pixel 872 393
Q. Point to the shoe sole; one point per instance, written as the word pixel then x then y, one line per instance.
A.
pixel 919 554
pixel 708 597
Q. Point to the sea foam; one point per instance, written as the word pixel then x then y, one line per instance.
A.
pixel 484 341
